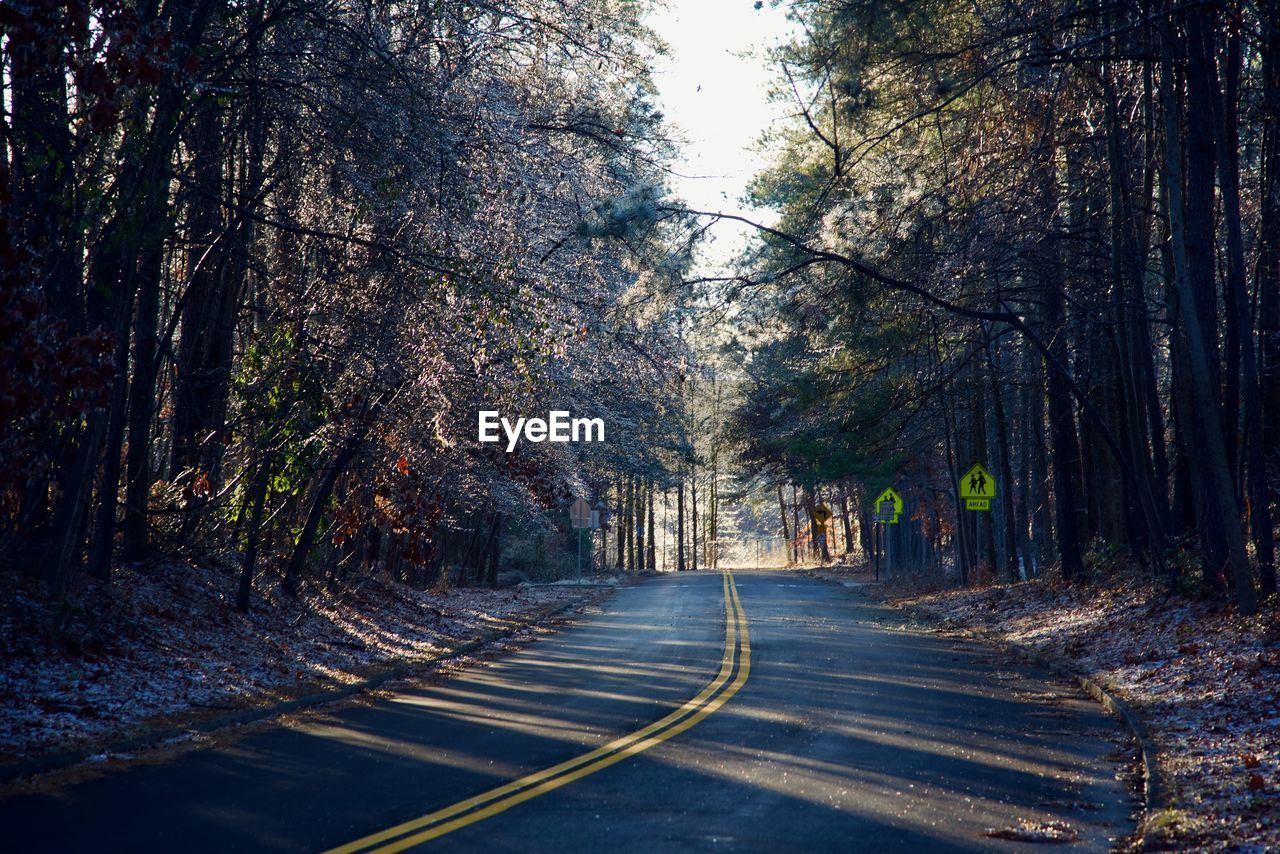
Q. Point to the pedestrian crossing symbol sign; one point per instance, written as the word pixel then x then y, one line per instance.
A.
pixel 977 488
pixel 888 507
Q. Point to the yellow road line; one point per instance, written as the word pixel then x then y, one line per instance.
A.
pixel 726 667
pixel 737 650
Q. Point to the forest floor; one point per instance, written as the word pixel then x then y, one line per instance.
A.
pixel 1205 681
pixel 165 648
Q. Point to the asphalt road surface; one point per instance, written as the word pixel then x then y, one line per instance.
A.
pixel 763 711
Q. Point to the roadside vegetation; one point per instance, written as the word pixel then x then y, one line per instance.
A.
pixel 1040 237
pixel 1045 238
pixel 262 263
pixel 1201 677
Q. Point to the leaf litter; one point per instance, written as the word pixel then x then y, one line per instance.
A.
pixel 1205 680
pixel 163 642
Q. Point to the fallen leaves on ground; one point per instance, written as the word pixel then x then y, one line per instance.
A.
pixel 1206 681
pixel 163 640
pixel 1053 832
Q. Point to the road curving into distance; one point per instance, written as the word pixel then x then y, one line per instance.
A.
pixel 745 711
pixel 737 657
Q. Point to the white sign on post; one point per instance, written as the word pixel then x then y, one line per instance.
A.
pixel 580 515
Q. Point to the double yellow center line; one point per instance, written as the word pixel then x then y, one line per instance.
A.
pixel 737 657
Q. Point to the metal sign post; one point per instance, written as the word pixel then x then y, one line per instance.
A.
pixel 879 528
pixel 582 517
pixel 821 516
pixel 888 508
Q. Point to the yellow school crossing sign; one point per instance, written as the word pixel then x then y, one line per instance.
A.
pixel 977 488
pixel 888 507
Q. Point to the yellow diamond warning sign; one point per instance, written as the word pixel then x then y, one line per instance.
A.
pixel 977 488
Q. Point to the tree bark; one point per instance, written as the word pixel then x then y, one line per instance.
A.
pixel 631 524
pixel 620 562
pixel 142 397
pixel 640 524
pixel 693 518
pixel 795 526
pixel 1065 449
pixel 302 547
pixel 651 558
pixel 1006 497
pixel 1242 366
pixel 782 513
pixel 1268 270
pixel 844 518
pixel 680 563
pixel 1216 479
pixel 248 561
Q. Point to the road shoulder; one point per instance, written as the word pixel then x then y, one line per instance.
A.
pixel 921 617
pixel 1192 681
pixel 520 618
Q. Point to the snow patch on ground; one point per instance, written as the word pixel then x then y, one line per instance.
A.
pixel 1206 681
pixel 585 581
pixel 164 640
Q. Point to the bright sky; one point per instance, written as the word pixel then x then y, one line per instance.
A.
pixel 713 87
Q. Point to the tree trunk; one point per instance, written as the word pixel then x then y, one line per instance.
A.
pixel 1128 253
pixel 102 548
pixel 1065 449
pixel 487 559
pixel 1216 471
pixel 631 524
pixel 302 547
pixel 680 564
pixel 693 518
pixel 142 398
pixel 1269 234
pixel 964 550
pixel 257 500
pixel 1042 534
pixel 1006 496
pixel 640 525
pixel 651 558
pixel 621 561
pixel 795 526
pixel 844 518
pixel 782 513
pixel 1241 351
pixel 495 552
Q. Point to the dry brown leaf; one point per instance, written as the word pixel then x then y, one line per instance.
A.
pixel 1052 832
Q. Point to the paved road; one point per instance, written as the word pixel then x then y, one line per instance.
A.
pixel 779 713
